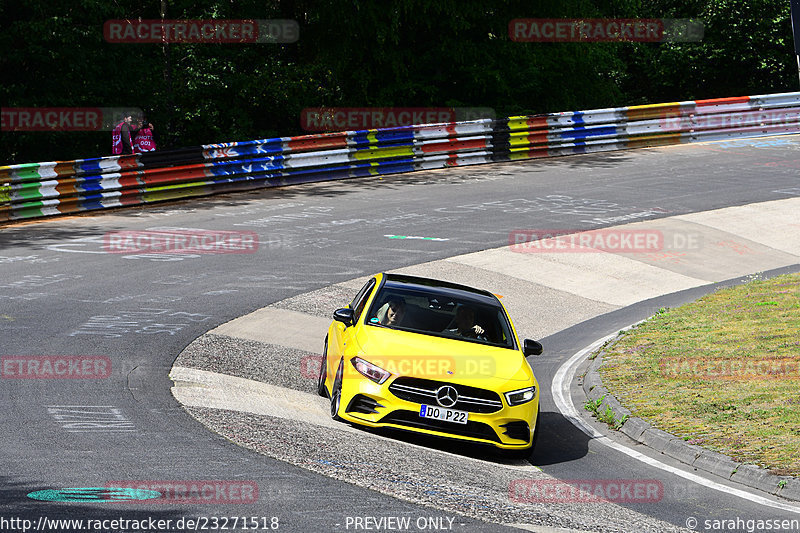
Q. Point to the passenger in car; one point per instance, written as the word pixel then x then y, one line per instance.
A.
pixel 393 312
pixel 465 324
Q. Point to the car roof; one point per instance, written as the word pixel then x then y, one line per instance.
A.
pixel 440 288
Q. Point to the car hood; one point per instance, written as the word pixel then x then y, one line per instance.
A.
pixel 430 357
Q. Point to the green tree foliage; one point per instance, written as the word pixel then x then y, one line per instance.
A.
pixel 362 53
pixel 747 49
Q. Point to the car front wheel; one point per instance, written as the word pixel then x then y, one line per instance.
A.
pixel 536 429
pixel 323 372
pixel 336 394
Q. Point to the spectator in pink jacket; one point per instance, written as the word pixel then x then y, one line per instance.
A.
pixel 122 136
pixel 144 141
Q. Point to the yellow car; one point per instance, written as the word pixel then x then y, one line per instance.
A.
pixel 431 357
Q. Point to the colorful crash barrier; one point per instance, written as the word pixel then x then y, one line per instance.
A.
pixel 53 188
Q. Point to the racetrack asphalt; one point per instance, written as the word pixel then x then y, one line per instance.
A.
pixel 271 346
pixel 63 294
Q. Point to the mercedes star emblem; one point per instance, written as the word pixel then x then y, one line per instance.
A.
pixel 447 396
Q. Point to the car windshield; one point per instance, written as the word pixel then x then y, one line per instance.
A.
pixel 441 315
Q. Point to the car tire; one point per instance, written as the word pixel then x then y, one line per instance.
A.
pixel 517 455
pixel 323 372
pixel 336 392
pixel 536 430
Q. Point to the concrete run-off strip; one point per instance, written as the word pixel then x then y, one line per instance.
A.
pixel 544 293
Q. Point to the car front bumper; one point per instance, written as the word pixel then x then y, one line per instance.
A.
pixel 368 404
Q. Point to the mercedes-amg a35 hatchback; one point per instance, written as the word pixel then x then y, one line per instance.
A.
pixel 432 357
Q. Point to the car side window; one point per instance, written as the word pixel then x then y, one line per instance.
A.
pixel 361 299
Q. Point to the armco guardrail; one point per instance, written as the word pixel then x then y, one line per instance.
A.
pixel 42 189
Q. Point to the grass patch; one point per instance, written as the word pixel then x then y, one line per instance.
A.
pixel 722 372
pixel 607 416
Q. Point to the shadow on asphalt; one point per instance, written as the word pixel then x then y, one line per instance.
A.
pixel 559 441
pixel 289 188
pixel 37 237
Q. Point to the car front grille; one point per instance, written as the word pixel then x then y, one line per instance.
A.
pixel 477 430
pixel 423 391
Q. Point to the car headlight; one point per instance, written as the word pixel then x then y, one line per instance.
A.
pixel 370 371
pixel 518 397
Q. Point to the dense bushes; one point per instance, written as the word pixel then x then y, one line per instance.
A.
pixel 410 53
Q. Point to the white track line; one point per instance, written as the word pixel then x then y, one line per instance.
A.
pixel 561 395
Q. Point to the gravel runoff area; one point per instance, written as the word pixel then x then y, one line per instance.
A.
pixel 472 487
pixel 473 483
pixel 475 486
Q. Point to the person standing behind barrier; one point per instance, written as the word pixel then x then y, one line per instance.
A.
pixel 144 141
pixel 121 136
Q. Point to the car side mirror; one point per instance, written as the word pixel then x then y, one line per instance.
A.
pixel 345 315
pixel 531 347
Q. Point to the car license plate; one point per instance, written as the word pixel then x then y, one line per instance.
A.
pixel 442 413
